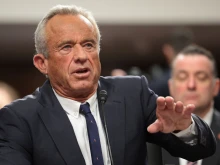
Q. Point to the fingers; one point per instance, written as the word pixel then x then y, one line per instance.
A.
pixel 161 104
pixel 189 109
pixel 170 103
pixel 165 103
pixel 179 107
pixel 186 110
pixel 171 116
pixel 155 127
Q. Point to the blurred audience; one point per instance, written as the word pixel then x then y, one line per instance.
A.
pixel 7 94
pixel 177 40
pixel 194 81
pixel 135 71
pixel 118 72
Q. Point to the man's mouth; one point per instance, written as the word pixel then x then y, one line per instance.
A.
pixel 82 73
pixel 79 71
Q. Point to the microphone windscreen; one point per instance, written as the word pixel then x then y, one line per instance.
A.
pixel 103 96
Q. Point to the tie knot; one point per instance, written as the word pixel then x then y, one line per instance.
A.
pixel 84 109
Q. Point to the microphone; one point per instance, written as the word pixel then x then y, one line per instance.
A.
pixel 103 97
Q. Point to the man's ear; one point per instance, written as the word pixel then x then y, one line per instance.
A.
pixel 216 88
pixel 40 62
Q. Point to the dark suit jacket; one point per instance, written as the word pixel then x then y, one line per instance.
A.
pixel 212 160
pixel 36 130
pixel 160 85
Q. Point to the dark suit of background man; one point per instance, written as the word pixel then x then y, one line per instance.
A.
pixel 194 80
pixel 46 128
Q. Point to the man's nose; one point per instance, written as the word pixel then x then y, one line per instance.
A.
pixel 191 83
pixel 79 54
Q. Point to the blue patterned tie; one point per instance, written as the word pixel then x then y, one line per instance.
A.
pixel 93 134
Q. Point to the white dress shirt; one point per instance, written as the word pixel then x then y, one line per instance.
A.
pixel 208 119
pixel 78 122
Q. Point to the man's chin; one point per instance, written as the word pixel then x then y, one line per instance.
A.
pixel 190 101
pixel 85 86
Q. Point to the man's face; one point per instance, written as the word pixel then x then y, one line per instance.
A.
pixel 73 65
pixel 193 82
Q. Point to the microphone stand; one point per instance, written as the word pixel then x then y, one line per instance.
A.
pixel 103 100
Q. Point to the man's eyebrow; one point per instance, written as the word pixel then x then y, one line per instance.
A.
pixel 181 71
pixel 65 42
pixel 60 44
pixel 202 72
pixel 89 40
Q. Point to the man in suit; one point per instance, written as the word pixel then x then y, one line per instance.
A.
pixel 53 125
pixel 194 80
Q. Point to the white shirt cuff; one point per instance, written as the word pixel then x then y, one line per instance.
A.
pixel 189 132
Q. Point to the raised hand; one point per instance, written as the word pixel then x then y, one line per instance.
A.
pixel 171 116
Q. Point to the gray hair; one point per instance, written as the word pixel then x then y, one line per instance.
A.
pixel 40 36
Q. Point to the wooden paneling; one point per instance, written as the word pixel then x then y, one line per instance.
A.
pixel 122 46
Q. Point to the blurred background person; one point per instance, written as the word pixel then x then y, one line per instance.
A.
pixel 118 72
pixel 135 71
pixel 194 80
pixel 178 39
pixel 7 94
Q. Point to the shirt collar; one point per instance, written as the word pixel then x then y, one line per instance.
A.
pixel 208 117
pixel 72 107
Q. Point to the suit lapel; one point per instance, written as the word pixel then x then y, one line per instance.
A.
pixel 114 112
pixel 59 127
pixel 115 119
pixel 215 126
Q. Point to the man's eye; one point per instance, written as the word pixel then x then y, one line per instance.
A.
pixel 181 76
pixel 66 47
pixel 202 76
pixel 88 45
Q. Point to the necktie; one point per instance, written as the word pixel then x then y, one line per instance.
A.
pixel 191 163
pixel 94 141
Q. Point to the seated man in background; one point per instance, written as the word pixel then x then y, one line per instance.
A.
pixel 194 81
pixel 7 94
